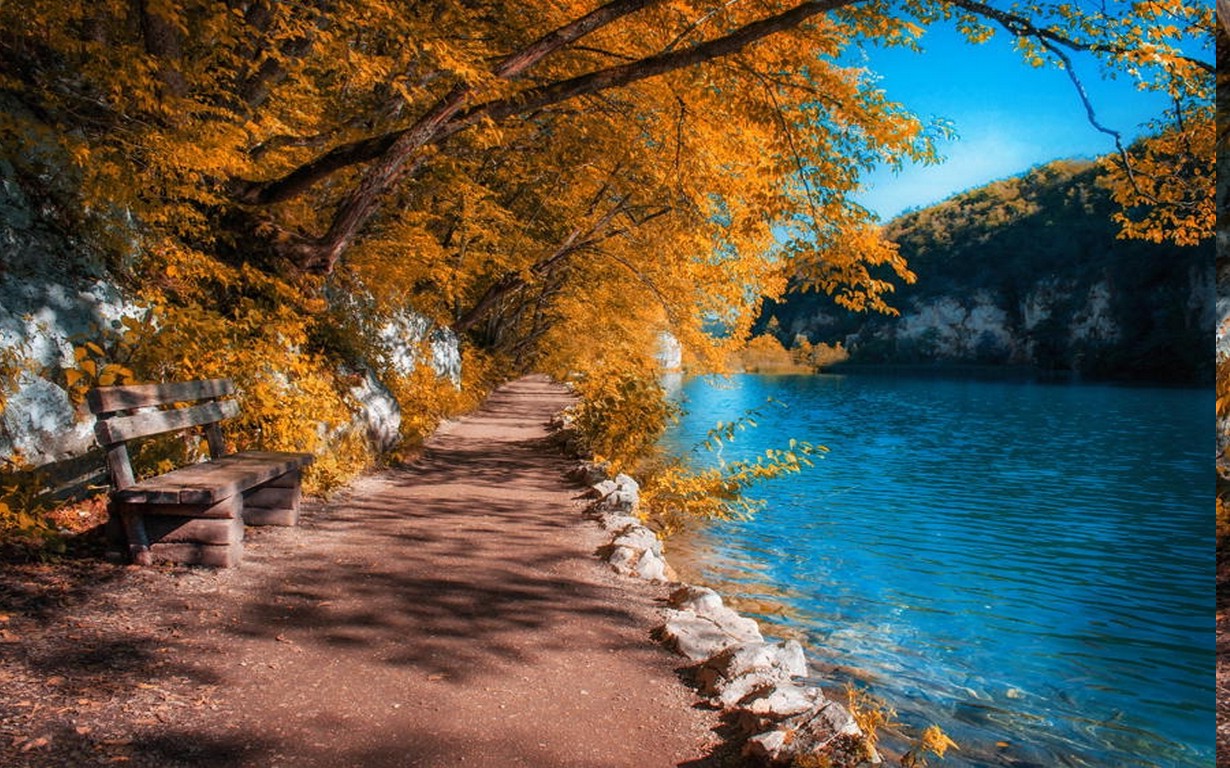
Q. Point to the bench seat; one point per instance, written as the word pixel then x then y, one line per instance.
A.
pixel 212 481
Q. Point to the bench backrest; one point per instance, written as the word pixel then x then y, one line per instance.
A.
pixel 143 410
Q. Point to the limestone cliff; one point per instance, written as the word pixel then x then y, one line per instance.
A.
pixel 56 293
pixel 1028 271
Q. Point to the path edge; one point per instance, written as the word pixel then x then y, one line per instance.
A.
pixel 777 718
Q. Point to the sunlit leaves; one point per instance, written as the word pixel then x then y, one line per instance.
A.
pixel 708 485
pixel 1165 184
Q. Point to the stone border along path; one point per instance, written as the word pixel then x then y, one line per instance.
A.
pixel 753 682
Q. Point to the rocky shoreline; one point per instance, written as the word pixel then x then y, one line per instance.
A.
pixel 755 683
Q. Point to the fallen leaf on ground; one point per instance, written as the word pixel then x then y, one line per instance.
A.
pixel 41 741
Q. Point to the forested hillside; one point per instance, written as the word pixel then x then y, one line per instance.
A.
pixel 1031 271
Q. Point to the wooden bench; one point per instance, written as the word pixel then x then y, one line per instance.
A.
pixel 195 514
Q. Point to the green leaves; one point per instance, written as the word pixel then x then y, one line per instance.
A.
pixel 680 493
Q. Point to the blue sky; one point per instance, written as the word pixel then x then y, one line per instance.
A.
pixel 1009 116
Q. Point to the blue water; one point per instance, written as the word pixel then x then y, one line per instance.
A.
pixel 1030 566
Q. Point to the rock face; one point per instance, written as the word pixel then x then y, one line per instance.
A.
pixel 409 337
pixel 1029 272
pixel 47 299
pixel 53 292
pixel 379 415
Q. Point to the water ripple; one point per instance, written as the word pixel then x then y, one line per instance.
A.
pixel 1026 565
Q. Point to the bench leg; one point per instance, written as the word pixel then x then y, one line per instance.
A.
pixel 274 503
pixel 188 534
pixel 134 532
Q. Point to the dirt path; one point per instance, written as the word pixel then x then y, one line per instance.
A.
pixel 448 614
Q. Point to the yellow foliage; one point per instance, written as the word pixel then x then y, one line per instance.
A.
pixel 765 354
pixel 932 741
pixel 1165 184
pixel 621 414
pixel 426 399
pixel 817 356
pixel 25 529
pixel 871 714
pixel 1223 520
pixel 14 361
pixel 290 398
pixel 678 493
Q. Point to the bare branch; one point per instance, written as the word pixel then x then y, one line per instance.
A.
pixel 1021 26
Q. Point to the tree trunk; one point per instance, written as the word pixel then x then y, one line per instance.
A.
pixel 161 40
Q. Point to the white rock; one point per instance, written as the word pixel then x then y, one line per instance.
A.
pixel 783 700
pixel 827 730
pixel 402 337
pixel 702 637
pixel 379 414
pixel 618 501
pixel 627 483
pixel 604 488
pixel 651 567
pixel 701 600
pixel 624 560
pixel 40 423
pixel 639 537
pixel 617 524
pixel 741 670
pixel 765 746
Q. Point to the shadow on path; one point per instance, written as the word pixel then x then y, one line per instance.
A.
pixel 446 613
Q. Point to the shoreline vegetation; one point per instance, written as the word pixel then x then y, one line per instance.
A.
pixel 766 354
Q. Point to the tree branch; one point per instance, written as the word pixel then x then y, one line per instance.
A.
pixel 354 153
pixel 449 117
pixel 1020 26
pixel 513 281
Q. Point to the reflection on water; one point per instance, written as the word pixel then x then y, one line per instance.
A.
pixel 1030 566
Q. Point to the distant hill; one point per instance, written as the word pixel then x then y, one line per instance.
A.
pixel 1028 271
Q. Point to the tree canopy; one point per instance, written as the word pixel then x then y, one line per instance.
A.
pixel 550 178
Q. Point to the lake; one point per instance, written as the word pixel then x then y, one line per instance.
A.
pixel 1028 565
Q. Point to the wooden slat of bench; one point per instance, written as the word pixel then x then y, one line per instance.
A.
pixel 121 428
pixel 211 481
pixel 111 399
